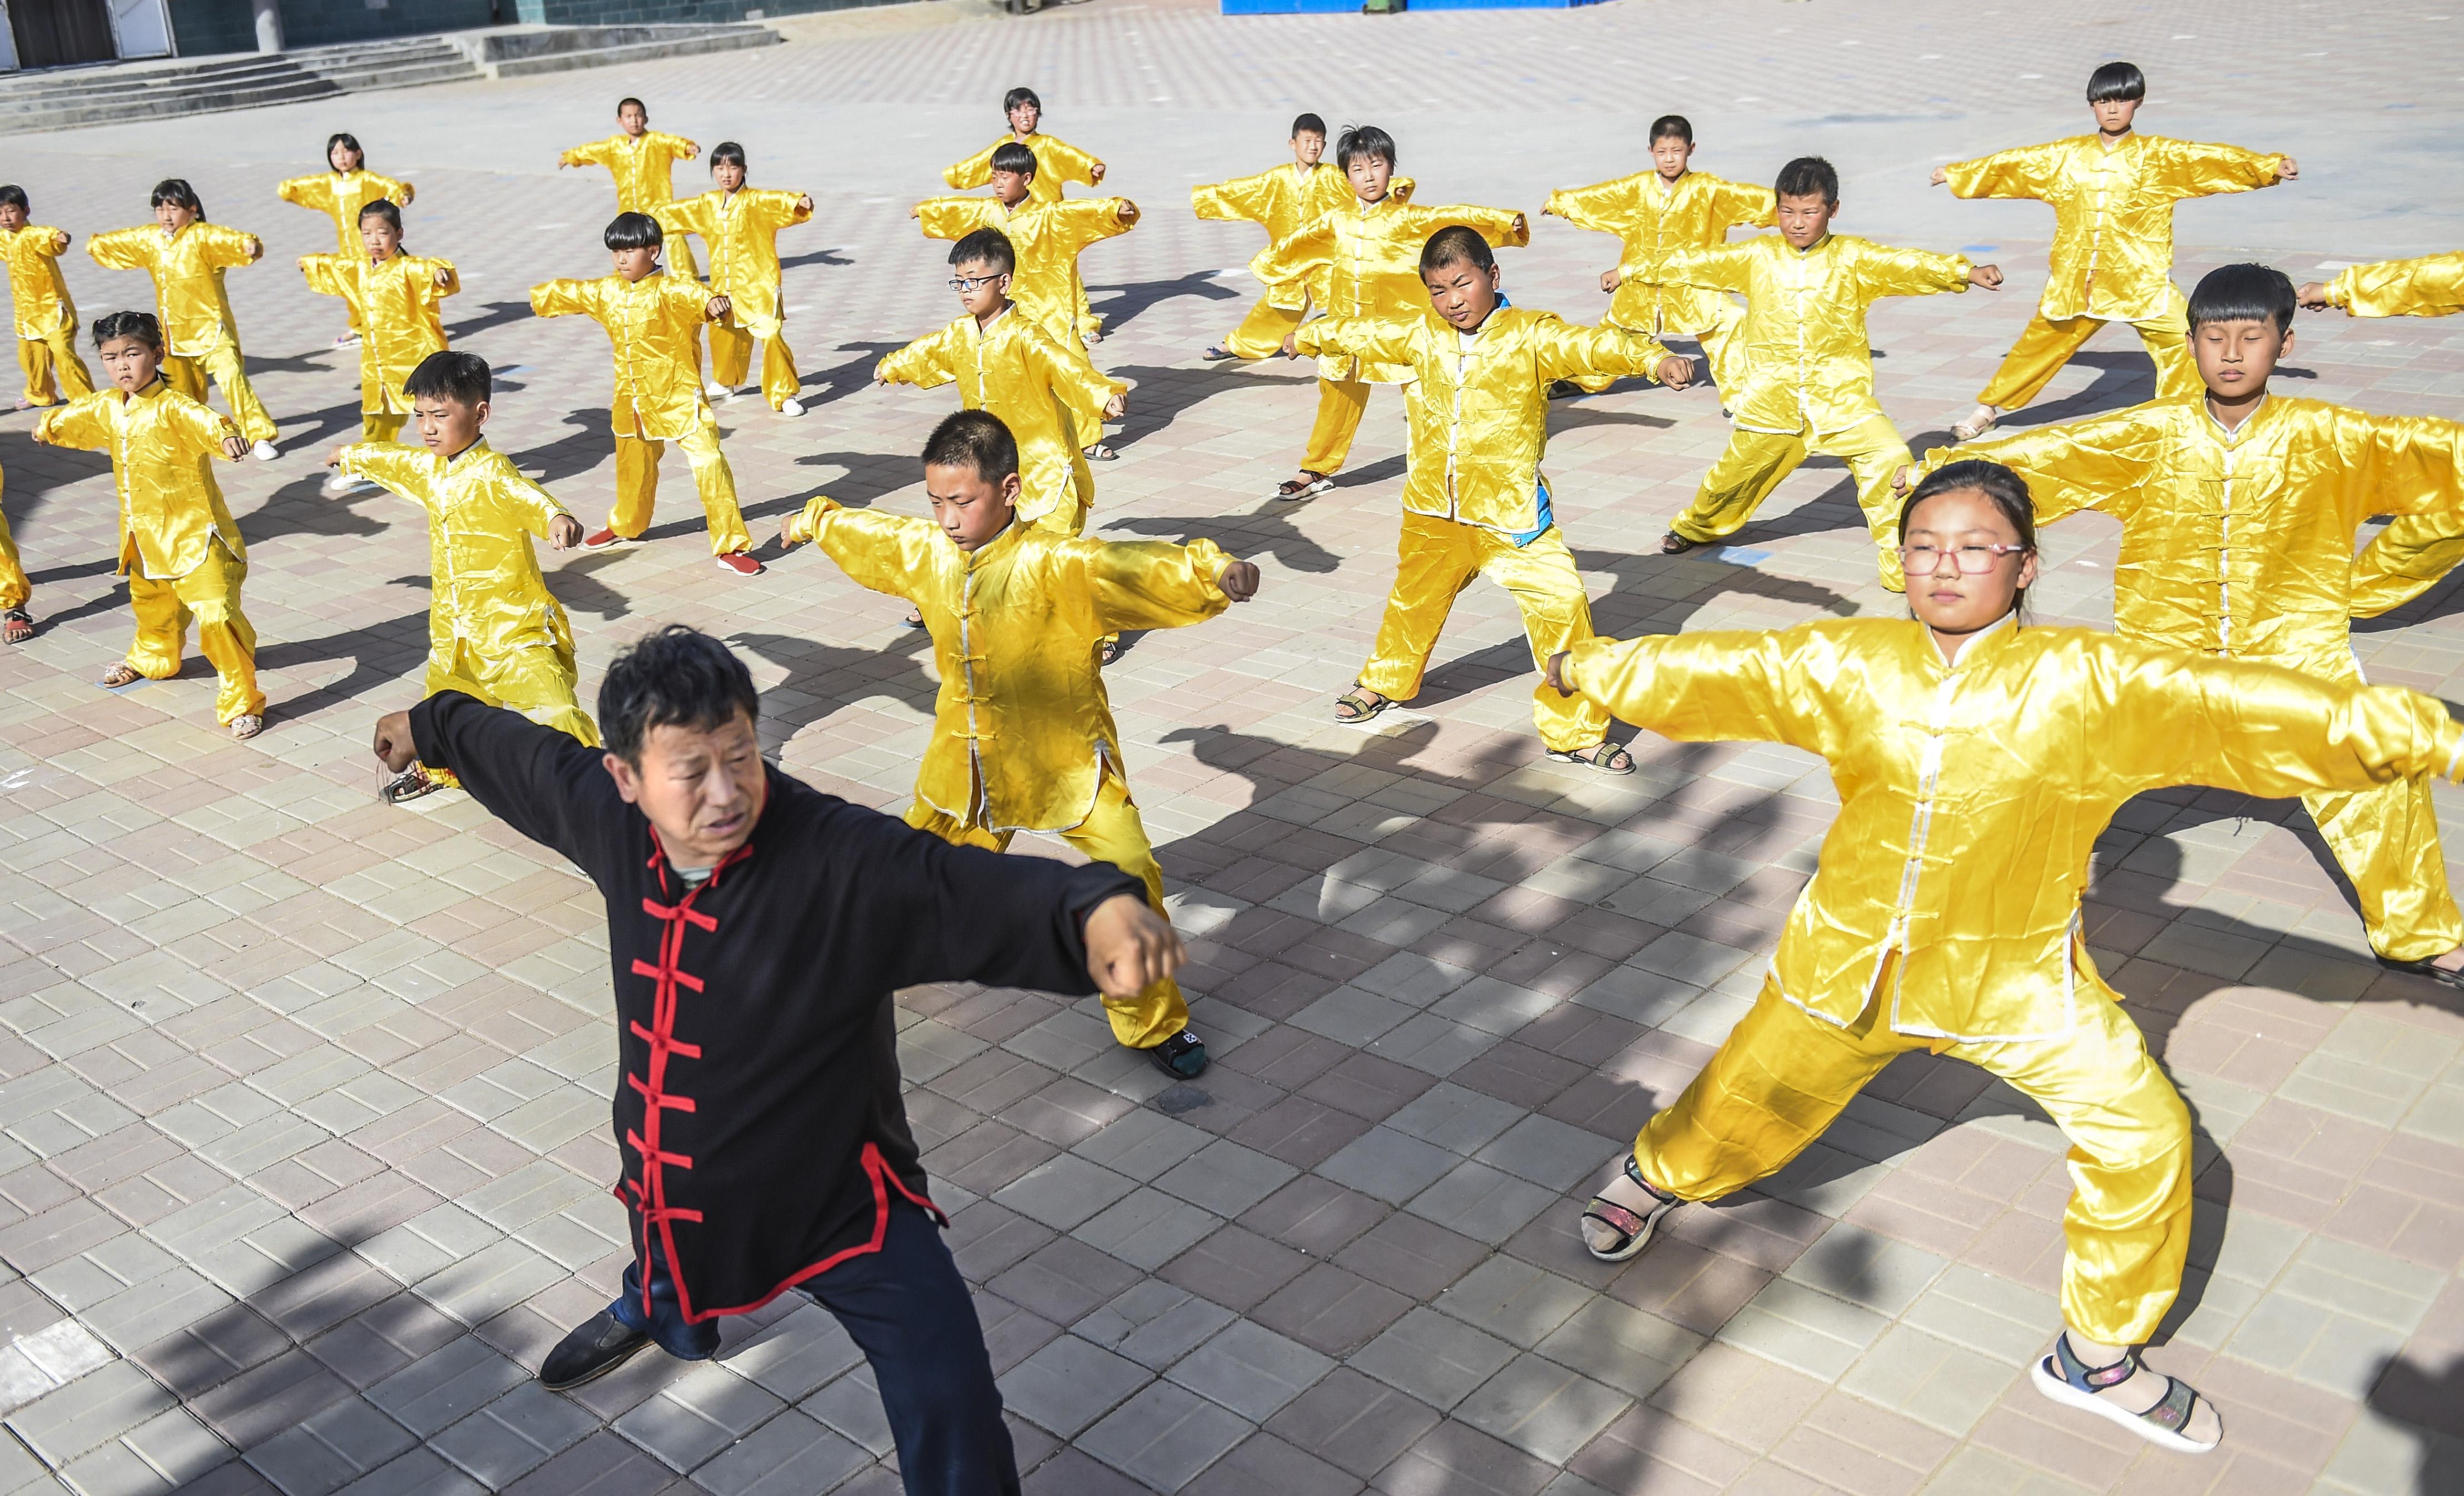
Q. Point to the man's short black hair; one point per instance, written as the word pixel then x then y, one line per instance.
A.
pixel 1021 96
pixel 2116 80
pixel 1806 176
pixel 975 439
pixel 989 247
pixel 676 677
pixel 2243 293
pixel 176 189
pixel 1676 125
pixel 633 232
pixel 1456 245
pixel 1309 124
pixel 726 153
pixel 139 325
pixel 1011 156
pixel 379 208
pixel 1364 140
pixel 13 196
pixel 635 104
pixel 449 374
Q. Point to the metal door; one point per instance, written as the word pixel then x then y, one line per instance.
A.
pixel 50 32
pixel 141 28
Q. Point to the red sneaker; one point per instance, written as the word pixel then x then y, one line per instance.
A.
pixel 601 540
pixel 740 563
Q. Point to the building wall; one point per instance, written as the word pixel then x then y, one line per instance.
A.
pixel 630 13
pixel 202 27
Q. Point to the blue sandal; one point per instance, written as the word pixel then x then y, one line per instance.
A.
pixel 2072 1382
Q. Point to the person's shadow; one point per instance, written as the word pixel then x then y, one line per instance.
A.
pixel 1266 530
pixel 822 678
pixel 2431 1404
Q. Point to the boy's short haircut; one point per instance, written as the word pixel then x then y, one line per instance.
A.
pixel 727 153
pixel 630 102
pixel 13 196
pixel 1807 176
pixel 1456 245
pixel 676 677
pixel 379 208
pixel 176 190
pixel 2243 293
pixel 1364 140
pixel 1309 124
pixel 989 247
pixel 1672 125
pixel 976 440
pixel 1021 96
pixel 345 138
pixel 1011 156
pixel 633 232
pixel 139 325
pixel 449 374
pixel 2116 80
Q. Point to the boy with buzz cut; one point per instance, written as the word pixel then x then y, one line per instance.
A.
pixel 1369 251
pixel 1475 500
pixel 2112 194
pixel 741 225
pixel 494 631
pixel 1023 733
pixel 1671 207
pixel 642 161
pixel 47 324
pixel 394 299
pixel 1809 379
pixel 2238 508
pixel 654 322
pixel 179 547
pixel 1286 200
pixel 1057 162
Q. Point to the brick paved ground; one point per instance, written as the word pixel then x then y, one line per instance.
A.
pixel 306 1148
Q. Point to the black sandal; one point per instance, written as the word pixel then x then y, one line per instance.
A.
pixel 18 625
pixel 1604 756
pixel 1308 485
pixel 1633 1227
pixel 2068 1380
pixel 1182 1056
pixel 1674 544
pixel 2439 973
pixel 1363 707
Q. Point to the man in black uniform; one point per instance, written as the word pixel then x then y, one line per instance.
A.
pixel 757 928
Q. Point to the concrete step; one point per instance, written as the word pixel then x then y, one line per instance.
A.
pixel 57 83
pixel 712 39
pixel 452 68
pixel 168 104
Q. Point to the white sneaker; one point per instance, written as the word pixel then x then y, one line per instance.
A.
pixel 1976 423
pixel 791 406
pixel 264 451
pixel 715 390
pixel 346 340
pixel 337 484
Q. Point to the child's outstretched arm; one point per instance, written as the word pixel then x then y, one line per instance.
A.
pixel 324 275
pixel 1374 340
pixel 229 248
pixel 1066 373
pixel 83 424
pixel 1068 162
pixel 2104 462
pixel 399 470
pixel 1569 352
pixel 2194 169
pixel 1084 220
pixel 949 217
pixel 121 249
pixel 880 552
pixel 1743 203
pixel 1311 249
pixel 2401 464
pixel 927 363
pixel 2430 286
pixel 1158 584
pixel 1712 686
pixel 1721 267
pixel 566 297
pixel 52 242
pixel 315 193
pixel 1603 206
pixel 974 171
pixel 1244 199
pixel 2027 171
pixel 684 215
pixel 1503 227
pixel 442 280
pixel 1886 271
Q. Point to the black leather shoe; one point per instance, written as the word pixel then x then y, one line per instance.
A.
pixel 598 1345
pixel 1182 1056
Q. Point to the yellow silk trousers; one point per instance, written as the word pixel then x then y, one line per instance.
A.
pixel 42 359
pixel 1783 1075
pixel 2387 840
pixel 2044 346
pixel 1436 560
pixel 2407 560
pixel 1757 461
pixel 189 377
pixel 381 425
pixel 1722 348
pixel 1262 333
pixel 731 359
pixel 637 488
pixel 210 595
pixel 14 588
pixel 678 248
pixel 1340 405
pixel 538 682
pixel 1111 833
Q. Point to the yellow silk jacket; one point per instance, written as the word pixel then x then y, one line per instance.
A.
pixel 1057 162
pixel 481 513
pixel 1480 406
pixel 2237 543
pixel 163 445
pixel 187 269
pixel 1810 364
pixel 401 321
pixel 1971 795
pixel 2113 212
pixel 1045 237
pixel 644 168
pixel 655 325
pixel 742 232
pixel 1022 730
pixel 2430 286
pixel 1286 199
pixel 1370 254
pixel 1022 374
pixel 1652 218
pixel 34 284
pixel 341 194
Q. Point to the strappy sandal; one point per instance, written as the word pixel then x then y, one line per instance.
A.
pixel 408 785
pixel 2072 1382
pixel 1308 485
pixel 1356 703
pixel 2439 973
pixel 118 675
pixel 1106 652
pixel 1674 544
pixel 1099 452
pixel 247 725
pixel 18 626
pixel 1633 1227
pixel 1217 354
pixel 1604 756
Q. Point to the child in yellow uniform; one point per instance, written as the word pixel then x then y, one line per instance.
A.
pixel 642 161
pixel 1369 251
pixel 1286 200
pixel 494 631
pixel 654 322
pixel 2413 551
pixel 46 317
pixel 2238 510
pixel 741 225
pixel 186 256
pixel 1023 733
pixel 2112 194
pixel 340 194
pixel 1977 761
pixel 394 301
pixel 1057 162
pixel 1475 500
pixel 178 547
pixel 1670 206
pixel 1809 379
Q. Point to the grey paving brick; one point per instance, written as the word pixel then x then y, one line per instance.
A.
pixel 1548 1152
pixel 790 1358
pixel 445 1385
pixel 1512 1298
pixel 101 1405
pixel 1064 1191
pixel 514 1434
pixel 851 1407
pixel 1164 1436
pixel 1386 1164
pixel 1484 1203
pixel 1142 1144
pixel 1069 1384
pixel 1865 1268
pixel 1455 1118
pixel 790 1454
pixel 1542 1408
pixel 1147 1228
pixel 1435 1358
pixel 330 1449
pixel 1154 1324
pixel 1250 1370
pixel 1225 1177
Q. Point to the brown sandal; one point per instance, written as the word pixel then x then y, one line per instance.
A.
pixel 118 675
pixel 1604 756
pixel 16 625
pixel 1674 544
pixel 1356 703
